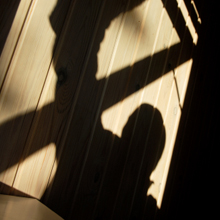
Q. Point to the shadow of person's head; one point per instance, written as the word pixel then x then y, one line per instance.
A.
pixel 136 155
pixel 141 145
pixel 146 147
pixel 145 132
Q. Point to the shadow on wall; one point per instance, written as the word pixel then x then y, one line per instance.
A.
pixel 98 173
pixel 6 19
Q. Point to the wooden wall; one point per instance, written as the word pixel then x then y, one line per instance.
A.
pixel 191 191
pixel 90 102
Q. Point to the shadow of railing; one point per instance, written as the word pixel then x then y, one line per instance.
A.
pixel 166 60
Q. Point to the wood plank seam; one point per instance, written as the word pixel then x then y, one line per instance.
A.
pixel 5 70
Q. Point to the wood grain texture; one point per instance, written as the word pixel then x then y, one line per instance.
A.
pixel 46 127
pixel 23 85
pixel 91 105
pixel 13 15
pixel 85 109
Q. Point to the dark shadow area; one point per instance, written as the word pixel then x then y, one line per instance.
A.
pixel 191 191
pixel 8 9
pixel 119 192
pixel 117 170
pixel 6 19
pixel 137 74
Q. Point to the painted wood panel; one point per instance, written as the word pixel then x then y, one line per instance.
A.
pixel 91 102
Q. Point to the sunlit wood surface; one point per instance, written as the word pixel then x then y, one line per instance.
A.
pixel 90 103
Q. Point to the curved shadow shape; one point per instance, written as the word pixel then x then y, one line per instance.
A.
pixel 116 168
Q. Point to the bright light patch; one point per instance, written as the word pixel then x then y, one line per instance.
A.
pixel 35 171
pixel 115 118
pixel 118 60
pixel 188 20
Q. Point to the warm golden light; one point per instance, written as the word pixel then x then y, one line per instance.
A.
pixel 188 20
pixel 140 20
pixel 46 157
pixel 134 58
pixel 166 93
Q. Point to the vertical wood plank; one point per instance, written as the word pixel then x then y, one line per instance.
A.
pixel 103 141
pixel 120 157
pixel 138 189
pixel 162 103
pixel 85 123
pixel 63 96
pixel 172 110
pixel 86 101
pixel 23 85
pixel 44 130
pixel 11 22
pixel 182 74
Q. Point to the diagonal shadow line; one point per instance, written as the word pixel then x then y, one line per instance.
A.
pixel 120 75
pixel 17 192
pixel 135 73
pixel 138 73
pixel 168 55
pixel 6 19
